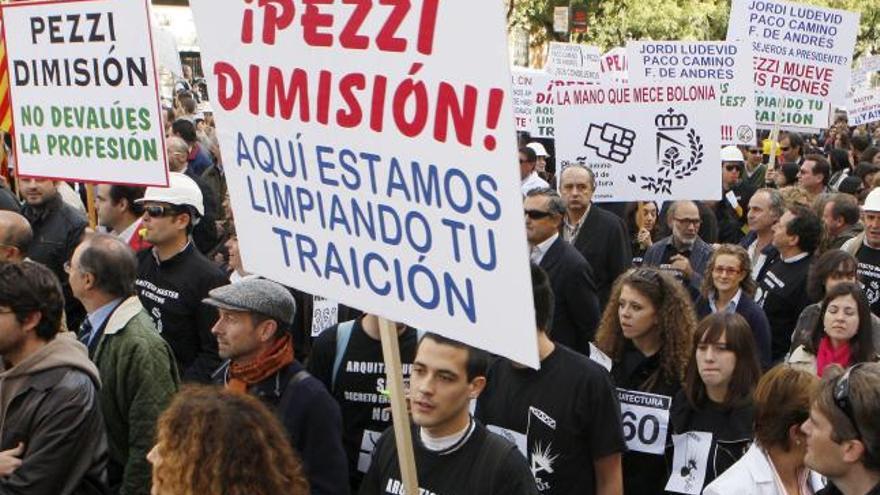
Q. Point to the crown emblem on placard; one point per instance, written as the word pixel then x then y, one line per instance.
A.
pixel 671 121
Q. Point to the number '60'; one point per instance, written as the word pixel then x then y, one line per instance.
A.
pixel 648 427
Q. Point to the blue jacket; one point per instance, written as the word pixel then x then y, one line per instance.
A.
pixel 312 419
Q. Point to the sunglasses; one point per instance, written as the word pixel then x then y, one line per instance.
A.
pixel 537 214
pixel 525 161
pixel 159 211
pixel 731 168
pixel 755 151
pixel 841 398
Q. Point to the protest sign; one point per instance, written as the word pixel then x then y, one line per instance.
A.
pixel 84 91
pixel 864 108
pixel 523 96
pixel 615 66
pixel 645 419
pixel 642 142
pixel 726 64
pixel 867 67
pixel 560 20
pixel 570 60
pixel 543 88
pixel 377 167
pixel 801 52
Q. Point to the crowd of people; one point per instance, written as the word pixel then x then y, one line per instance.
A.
pixel 718 347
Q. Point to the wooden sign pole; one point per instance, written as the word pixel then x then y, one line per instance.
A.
pixel 399 411
pixel 90 199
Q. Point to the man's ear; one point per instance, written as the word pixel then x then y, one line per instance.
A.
pixel 266 330
pixel 476 386
pixel 853 451
pixel 32 320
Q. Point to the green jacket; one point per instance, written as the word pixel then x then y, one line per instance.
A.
pixel 140 377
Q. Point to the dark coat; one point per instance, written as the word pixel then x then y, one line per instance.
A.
pixel 58 228
pixel 576 306
pixel 312 418
pixel 604 243
pixel 699 258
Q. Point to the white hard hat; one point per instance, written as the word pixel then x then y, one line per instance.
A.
pixel 872 202
pixel 538 148
pixel 181 191
pixel 731 154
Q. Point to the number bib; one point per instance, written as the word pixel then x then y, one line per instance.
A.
pixel 325 314
pixel 645 420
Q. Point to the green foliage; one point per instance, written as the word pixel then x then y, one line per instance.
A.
pixel 613 22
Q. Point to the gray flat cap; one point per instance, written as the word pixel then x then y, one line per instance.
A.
pixel 255 295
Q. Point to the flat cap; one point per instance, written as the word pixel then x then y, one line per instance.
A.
pixel 255 295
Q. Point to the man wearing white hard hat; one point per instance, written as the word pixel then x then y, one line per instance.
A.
pixel 731 211
pixel 174 277
pixel 866 248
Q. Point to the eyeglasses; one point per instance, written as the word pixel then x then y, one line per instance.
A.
pixel 755 151
pixel 157 211
pixel 537 214
pixel 726 270
pixel 841 398
pixel 731 168
pixel 689 221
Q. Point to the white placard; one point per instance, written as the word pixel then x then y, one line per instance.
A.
pixel 643 143
pixel 570 60
pixel 544 88
pixel 864 107
pixel 726 64
pixel 615 66
pixel 325 314
pixel 377 166
pixel 523 91
pixel 802 52
pixel 689 462
pixel 84 91
pixel 645 420
pixel 560 19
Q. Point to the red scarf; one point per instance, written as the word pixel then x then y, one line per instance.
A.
pixel 242 376
pixel 827 354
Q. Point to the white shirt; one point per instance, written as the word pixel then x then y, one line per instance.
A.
pixel 540 250
pixel 795 258
pixel 731 306
pixel 532 182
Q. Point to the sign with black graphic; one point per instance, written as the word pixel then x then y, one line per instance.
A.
pixel 642 142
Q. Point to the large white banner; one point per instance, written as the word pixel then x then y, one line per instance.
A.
pixel 803 58
pixel 371 159
pixel 84 90
pixel 642 142
pixel 725 64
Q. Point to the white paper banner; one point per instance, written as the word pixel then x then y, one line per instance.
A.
pixel 570 60
pixel 645 420
pixel 85 93
pixel 726 64
pixel 369 162
pixel 643 143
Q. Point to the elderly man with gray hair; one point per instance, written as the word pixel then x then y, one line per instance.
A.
pixel 253 336
pixel 576 304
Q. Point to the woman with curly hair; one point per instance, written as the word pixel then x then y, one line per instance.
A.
pixel 646 331
pixel 728 287
pixel 212 441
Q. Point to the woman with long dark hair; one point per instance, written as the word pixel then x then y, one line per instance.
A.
pixel 712 415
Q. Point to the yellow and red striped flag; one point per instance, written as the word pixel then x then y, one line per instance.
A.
pixel 5 104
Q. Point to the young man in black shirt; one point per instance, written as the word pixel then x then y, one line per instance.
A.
pixel 174 277
pixel 866 248
pixel 347 358
pixel 454 453
pixel 564 417
pixel 782 289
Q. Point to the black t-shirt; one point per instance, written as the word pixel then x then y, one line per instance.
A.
pixel 869 275
pixel 172 293
pixel 782 293
pixel 564 416
pixel 485 464
pixel 645 418
pixel 727 432
pixel 366 412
